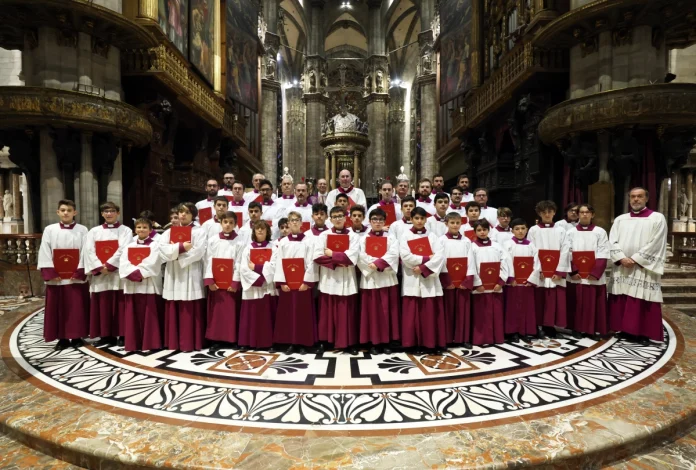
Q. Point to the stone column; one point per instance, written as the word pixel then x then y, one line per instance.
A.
pixel 52 189
pixel 294 156
pixel 356 171
pixel 270 87
pixel 396 120
pixel 88 207
pixel 315 100
pixel 2 193
pixel 377 68
pixel 26 204
pixel 114 188
pixel 17 196
pixel 428 103
pixel 332 180
pixel 690 192
pixel 674 197
pixel 327 162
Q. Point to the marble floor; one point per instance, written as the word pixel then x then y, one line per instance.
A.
pixel 562 403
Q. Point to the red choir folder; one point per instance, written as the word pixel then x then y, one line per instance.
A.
pixel 240 218
pixel 584 262
pixel 223 268
pixel 549 261
pixel 260 255
pixel 305 227
pixel 376 246
pixel 420 246
pixel 180 234
pixel 523 265
pixel 470 234
pixel 463 204
pixel 351 202
pixel 456 268
pixel 137 254
pixel 391 214
pixel 259 199
pixel 65 261
pixel 106 249
pixel 205 214
pixel 489 274
pixel 294 270
pixel 269 222
pixel 339 243
pixel 230 199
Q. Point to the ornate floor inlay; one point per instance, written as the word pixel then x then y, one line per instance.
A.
pixel 336 391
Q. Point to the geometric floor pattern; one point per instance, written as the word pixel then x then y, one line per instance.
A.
pixel 334 391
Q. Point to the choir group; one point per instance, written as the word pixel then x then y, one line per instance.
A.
pixel 250 270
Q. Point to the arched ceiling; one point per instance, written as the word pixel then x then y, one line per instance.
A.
pixel 403 27
pixel 294 34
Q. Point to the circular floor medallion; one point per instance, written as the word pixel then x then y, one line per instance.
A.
pixel 334 391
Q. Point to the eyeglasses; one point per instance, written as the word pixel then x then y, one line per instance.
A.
pixel 377 221
pixel 338 217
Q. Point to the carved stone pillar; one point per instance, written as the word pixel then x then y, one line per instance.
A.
pixel 294 156
pixel 315 98
pixel 88 199
pixel 332 179
pixel 356 170
pixel 52 189
pixel 148 9
pixel 114 188
pixel 17 216
pixel 674 197
pixel 270 87
pixel 327 168
pixel 2 193
pixel 428 105
pixel 396 120
pixel 377 68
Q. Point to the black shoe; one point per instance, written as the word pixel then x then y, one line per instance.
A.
pixel 290 350
pixel 596 337
pixel 214 348
pixel 440 351
pixel 271 350
pixel 418 351
pixel 526 338
pixel 551 332
pixel 374 350
pixel 121 341
pixel 321 347
pixel 243 348
pixel 541 334
pixel 577 334
pixel 467 345
pixel 387 351
pixel 353 351
pixel 77 343
pixel 105 341
pixel 644 341
pixel 62 344
pixel 303 350
pixel 515 337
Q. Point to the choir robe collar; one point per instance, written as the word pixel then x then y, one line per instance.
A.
pixel 408 222
pixel 439 219
pixel 427 200
pixel 152 234
pixel 499 229
pixel 296 237
pixel 256 191
pixel 116 225
pixel 383 203
pixel 210 199
pixel 317 231
pixel 237 203
pixel 146 241
pixel 343 231
pixel 524 241
pixel 456 208
pixel 228 236
pixel 436 191
pixel 484 243
pixel 454 236
pixel 341 189
pixel 363 228
pixel 543 225
pixel 422 231
pixel 585 228
pixel 484 207
pixel 376 234
pixel 644 212
pixel 262 244
pixel 267 203
pixel 215 219
pixel 465 193
pixel 297 204
pixel 69 226
pixel 291 196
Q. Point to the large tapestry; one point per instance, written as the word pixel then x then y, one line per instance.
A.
pixel 174 21
pixel 241 54
pixel 202 38
pixel 457 69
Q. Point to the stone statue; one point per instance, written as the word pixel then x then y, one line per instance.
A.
pixel 270 68
pixel 427 62
pixel 8 204
pixel 324 80
pixel 331 126
pixel 323 128
pixel 312 81
pixel 684 203
pixel 379 80
pixel 364 127
pixel 368 83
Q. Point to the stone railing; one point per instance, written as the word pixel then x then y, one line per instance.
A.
pixel 18 250
pixel 519 65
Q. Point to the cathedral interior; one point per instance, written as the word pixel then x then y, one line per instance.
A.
pixel 141 102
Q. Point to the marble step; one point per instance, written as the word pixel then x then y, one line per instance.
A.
pixel 685 273
pixel 682 298
pixel 14 454
pixel 678 285
pixel 688 309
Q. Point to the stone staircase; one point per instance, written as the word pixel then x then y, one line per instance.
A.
pixel 679 288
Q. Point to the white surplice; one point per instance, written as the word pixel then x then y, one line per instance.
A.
pixel 55 237
pixel 416 285
pixel 341 280
pixel 644 240
pixel 183 278
pixel 490 214
pixel 590 238
pixel 565 225
pixel 247 277
pixel 105 232
pixel 550 237
pixel 491 252
pixel 355 194
pixel 518 250
pixel 150 269
pixel 436 225
pixel 288 248
pixel 454 248
pixel 398 228
pixel 373 279
pixel 223 246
